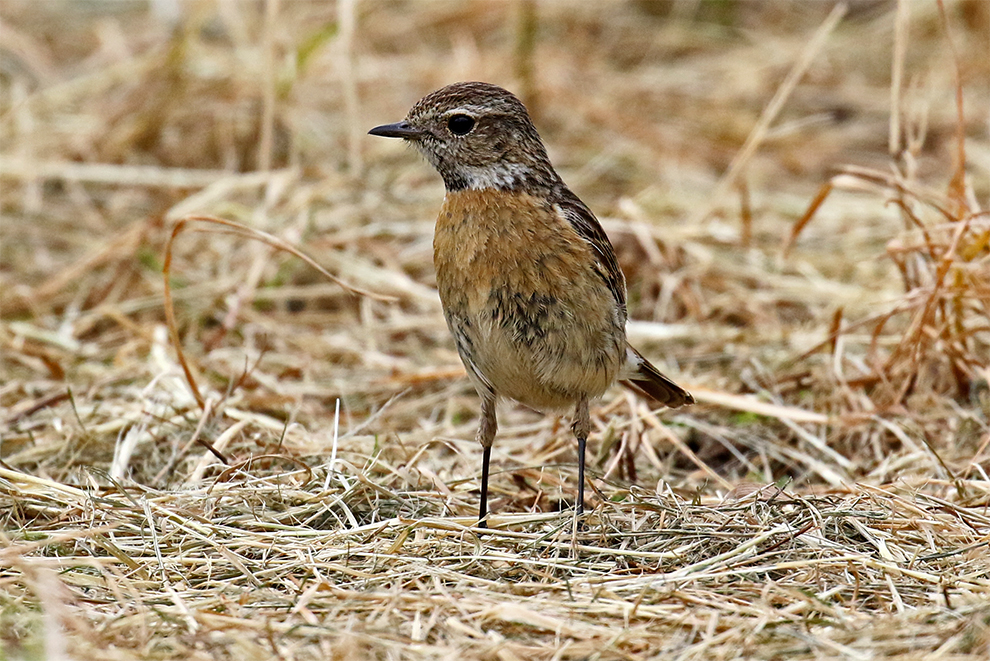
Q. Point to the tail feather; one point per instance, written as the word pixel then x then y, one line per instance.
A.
pixel 642 377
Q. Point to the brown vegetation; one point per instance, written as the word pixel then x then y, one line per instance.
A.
pixel 798 196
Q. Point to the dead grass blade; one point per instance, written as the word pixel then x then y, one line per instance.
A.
pixel 247 232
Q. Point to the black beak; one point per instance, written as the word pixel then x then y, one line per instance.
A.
pixel 401 129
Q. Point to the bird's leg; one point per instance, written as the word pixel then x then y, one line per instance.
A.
pixel 581 428
pixel 486 436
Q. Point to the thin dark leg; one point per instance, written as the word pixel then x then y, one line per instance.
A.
pixel 483 507
pixel 581 428
pixel 486 436
pixel 580 501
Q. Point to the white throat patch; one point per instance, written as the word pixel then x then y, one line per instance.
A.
pixel 498 175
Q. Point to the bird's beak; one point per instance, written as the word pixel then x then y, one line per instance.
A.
pixel 401 129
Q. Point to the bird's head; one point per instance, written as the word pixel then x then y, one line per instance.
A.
pixel 477 136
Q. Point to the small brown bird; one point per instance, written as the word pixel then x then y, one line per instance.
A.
pixel 529 282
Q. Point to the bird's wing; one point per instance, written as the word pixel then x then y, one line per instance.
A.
pixel 589 229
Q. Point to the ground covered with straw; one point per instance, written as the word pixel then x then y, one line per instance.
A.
pixel 261 460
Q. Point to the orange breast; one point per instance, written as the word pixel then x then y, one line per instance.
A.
pixel 532 318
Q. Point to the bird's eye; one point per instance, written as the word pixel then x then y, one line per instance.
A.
pixel 460 124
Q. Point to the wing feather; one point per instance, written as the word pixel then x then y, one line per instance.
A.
pixel 588 228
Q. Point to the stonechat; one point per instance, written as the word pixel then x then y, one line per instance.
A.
pixel 529 282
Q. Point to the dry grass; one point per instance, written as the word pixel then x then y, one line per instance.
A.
pixel 807 245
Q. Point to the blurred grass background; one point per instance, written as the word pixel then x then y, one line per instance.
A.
pixel 839 348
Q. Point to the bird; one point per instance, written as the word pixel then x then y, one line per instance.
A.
pixel 529 282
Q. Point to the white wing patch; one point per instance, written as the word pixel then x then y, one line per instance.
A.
pixel 631 364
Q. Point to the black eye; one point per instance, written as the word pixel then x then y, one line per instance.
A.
pixel 460 124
